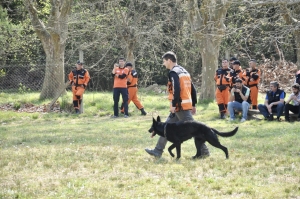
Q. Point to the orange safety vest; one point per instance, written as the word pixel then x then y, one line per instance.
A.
pixel 79 77
pixel 118 82
pixel 185 88
pixel 220 77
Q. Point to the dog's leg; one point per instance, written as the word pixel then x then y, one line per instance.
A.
pixel 212 139
pixel 198 144
pixel 171 148
pixel 178 150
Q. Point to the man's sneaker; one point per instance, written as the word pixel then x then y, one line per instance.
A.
pixel 243 120
pixel 271 118
pixel 222 116
pixel 114 116
pixel 125 116
pixel 153 152
pixel 279 119
pixel 231 119
pixel 287 120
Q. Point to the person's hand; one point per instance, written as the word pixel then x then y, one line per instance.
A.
pixel 172 109
pixel 233 89
pixel 294 98
pixel 193 111
pixel 270 107
pixel 251 79
pixel 237 90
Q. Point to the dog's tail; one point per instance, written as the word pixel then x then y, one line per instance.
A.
pixel 226 134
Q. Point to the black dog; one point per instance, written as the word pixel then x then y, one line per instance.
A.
pixel 179 132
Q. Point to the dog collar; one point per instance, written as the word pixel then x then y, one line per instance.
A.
pixel 165 130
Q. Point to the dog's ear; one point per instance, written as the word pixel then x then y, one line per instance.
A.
pixel 153 120
pixel 158 119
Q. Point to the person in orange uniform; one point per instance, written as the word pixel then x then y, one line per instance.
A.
pixel 236 73
pixel 79 79
pixel 183 96
pixel 251 78
pixel 223 81
pixel 132 89
pixel 120 74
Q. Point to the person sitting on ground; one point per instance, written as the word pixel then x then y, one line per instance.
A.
pixel 295 98
pixel 239 100
pixel 274 102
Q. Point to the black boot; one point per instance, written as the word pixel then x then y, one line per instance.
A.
pixel 222 115
pixel 143 112
pixel 254 107
pixel 77 111
pixel 271 117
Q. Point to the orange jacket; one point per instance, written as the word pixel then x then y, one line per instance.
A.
pixel 120 81
pixel 234 74
pixel 251 78
pixel 222 77
pixel 132 79
pixel 79 77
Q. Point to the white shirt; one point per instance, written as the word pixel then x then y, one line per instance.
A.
pixel 295 103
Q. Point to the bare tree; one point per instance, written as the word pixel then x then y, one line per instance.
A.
pixel 53 35
pixel 206 19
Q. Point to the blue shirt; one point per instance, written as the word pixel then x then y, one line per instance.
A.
pixel 281 95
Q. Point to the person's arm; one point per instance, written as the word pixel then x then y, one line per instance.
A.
pixel 176 88
pixel 194 94
pixel 86 79
pixel 280 101
pixel 245 97
pixel 232 97
pixel 71 77
pixel 289 99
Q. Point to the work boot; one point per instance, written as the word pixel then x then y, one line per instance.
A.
pixel 155 152
pixel 287 119
pixel 271 117
pixel 222 115
pixel 77 111
pixel 143 112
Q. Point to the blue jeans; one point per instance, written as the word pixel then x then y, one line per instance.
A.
pixel 124 93
pixel 275 109
pixel 244 107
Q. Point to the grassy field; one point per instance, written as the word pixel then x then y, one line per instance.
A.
pixel 63 155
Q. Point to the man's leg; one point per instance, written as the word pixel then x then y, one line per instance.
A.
pixel 245 108
pixel 253 96
pixel 231 110
pixel 220 102
pixel 287 108
pixel 264 111
pixel 162 141
pixel 116 97
pixel 279 110
pixel 124 93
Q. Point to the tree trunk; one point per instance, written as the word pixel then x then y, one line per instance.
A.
pixel 297 43
pixel 55 73
pixel 53 37
pixel 209 56
pixel 129 52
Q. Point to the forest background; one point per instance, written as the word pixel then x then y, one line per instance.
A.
pixel 200 32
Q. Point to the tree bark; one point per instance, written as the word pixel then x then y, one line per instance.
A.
pixel 53 37
pixel 207 26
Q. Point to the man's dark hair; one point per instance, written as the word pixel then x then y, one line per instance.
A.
pixel 170 55
pixel 224 59
pixel 128 64
pixel 122 58
pixel 274 83
pixel 296 86
pixel 253 60
pixel 238 80
pixel 232 59
pixel 236 62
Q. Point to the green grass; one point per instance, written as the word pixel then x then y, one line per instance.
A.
pixel 63 155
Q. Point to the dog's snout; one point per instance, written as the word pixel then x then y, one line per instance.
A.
pixel 151 130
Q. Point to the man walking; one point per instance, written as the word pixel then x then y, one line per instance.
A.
pixel 183 102
pixel 79 79
pixel 239 100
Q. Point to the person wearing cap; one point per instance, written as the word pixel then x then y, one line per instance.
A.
pixel 239 100
pixel 79 79
pixel 231 60
pixel 184 99
pixel 132 82
pixel 236 73
pixel 274 102
pixel 223 80
pixel 120 74
pixel 251 78
pixel 295 107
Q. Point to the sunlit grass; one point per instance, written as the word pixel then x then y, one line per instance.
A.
pixel 63 155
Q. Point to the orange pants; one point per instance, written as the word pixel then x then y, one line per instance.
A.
pixel 77 96
pixel 132 96
pixel 254 96
pixel 222 98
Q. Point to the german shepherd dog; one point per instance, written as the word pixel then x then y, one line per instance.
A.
pixel 179 132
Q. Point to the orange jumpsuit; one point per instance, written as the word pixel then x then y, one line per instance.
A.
pixel 251 80
pixel 223 81
pixel 79 80
pixel 132 80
